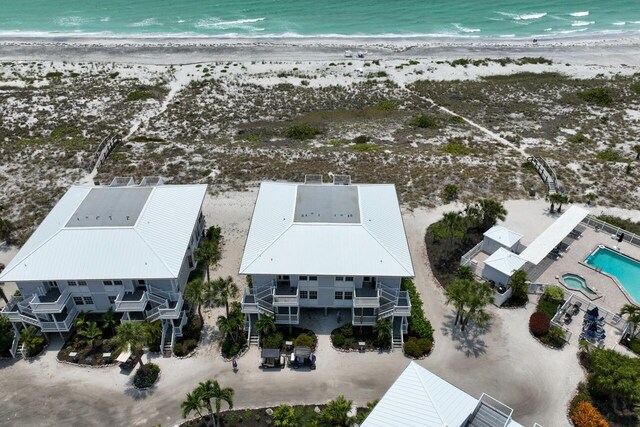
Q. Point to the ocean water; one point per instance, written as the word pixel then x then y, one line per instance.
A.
pixel 320 18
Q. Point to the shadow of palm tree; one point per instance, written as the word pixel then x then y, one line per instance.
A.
pixel 470 340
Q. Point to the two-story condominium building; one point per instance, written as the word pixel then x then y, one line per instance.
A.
pixel 327 246
pixel 125 246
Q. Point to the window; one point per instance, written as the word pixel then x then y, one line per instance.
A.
pixel 348 279
pixel 50 283
pixel 348 294
pixel 339 278
pixel 88 300
pixel 108 282
pixel 112 299
pixel 304 278
pixel 72 283
pixel 78 300
pixel 313 294
pixel 82 283
pixel 313 278
pixel 283 277
pixel 339 295
pixel 190 261
pixel 117 282
pixel 304 294
pixel 141 282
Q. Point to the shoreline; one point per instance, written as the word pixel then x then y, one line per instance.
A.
pixel 177 51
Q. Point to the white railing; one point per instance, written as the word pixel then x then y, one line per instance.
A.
pixel 366 302
pixel 183 321
pixel 131 305
pixel 605 227
pixel 50 307
pixel 286 300
pixel 15 344
pixel 63 326
pixel 172 313
pixel 287 319
pixel 467 259
pixel 364 320
pixel 158 292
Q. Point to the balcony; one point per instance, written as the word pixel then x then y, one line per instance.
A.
pixel 403 308
pixel 286 296
pixel 63 321
pixel 283 317
pixel 249 302
pixel 366 298
pixel 364 320
pixel 173 308
pixel 51 302
pixel 131 301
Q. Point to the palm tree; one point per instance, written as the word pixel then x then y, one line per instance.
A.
pixel 553 198
pixel 110 320
pixel 491 211
pixel 231 325
pixel 195 293
pixel 91 332
pixel 382 330
pixel 633 317
pixel 131 336
pixel 266 325
pixel 636 148
pixel 590 197
pixel 456 295
pixel 81 320
pixel 469 299
pixel 453 223
pixel 31 340
pixel 562 199
pixel 209 252
pixel 193 403
pixel 336 413
pixel 211 390
pixel 226 290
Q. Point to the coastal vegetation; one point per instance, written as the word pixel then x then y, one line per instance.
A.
pixel 419 340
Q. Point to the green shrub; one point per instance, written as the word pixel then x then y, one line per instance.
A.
pixel 303 340
pixel 462 61
pixel 361 139
pixel 578 138
pixel 146 375
pixel 415 347
pixel 337 340
pixel 626 224
pixel 347 330
pixel 6 337
pixel 230 348
pixel 598 95
pixel 386 105
pixel 419 326
pixel 272 341
pixel 64 131
pixel 178 349
pixel 425 122
pixel 302 131
pixel 581 396
pixel 634 345
pixel 456 149
pixel 555 337
pixel 636 87
pixel 363 148
pixel 457 119
pixel 609 155
pixel 53 75
pixel 554 294
pixel 139 95
pixel 539 324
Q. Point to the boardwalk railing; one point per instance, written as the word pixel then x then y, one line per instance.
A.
pixel 102 152
pixel 605 227
pixel 546 173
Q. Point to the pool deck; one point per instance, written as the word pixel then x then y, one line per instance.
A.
pixel 573 262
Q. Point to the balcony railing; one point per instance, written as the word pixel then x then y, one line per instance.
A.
pixel 287 319
pixel 286 300
pixel 365 300
pixel 131 302
pixel 63 326
pixel 39 306
pixel 364 320
pixel 249 302
pixel 172 313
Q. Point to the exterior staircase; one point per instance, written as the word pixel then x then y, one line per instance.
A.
pixel 546 173
pixel 397 338
pixel 254 339
pixel 167 339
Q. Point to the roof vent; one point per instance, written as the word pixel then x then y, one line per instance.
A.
pixel 313 179
pixel 341 179
pixel 122 181
pixel 151 181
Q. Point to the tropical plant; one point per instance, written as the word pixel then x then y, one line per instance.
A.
pixel 539 324
pixel 146 376
pixel 633 317
pixel 419 326
pixel 382 331
pixel 210 391
pixel 554 294
pixel 490 212
pixel 454 225
pixel 231 326
pixel 519 286
pixel 554 199
pixel 304 340
pixel 131 336
pixel 81 320
pixel 285 416
pixel 465 272
pixel 336 413
pixel 110 320
pixel 195 293
pixel 6 336
pixel 450 192
pixel 590 198
pixel 362 415
pixel 636 149
pixel 586 415
pixel 266 325
pixel 6 230
pixel 469 298
pixel 226 290
pixel 208 253
pixel 31 340
pixel 192 403
pixel 90 332
pixel 562 199
pixel 616 377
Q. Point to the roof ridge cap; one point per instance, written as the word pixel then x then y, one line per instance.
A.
pixel 404 267
pixel 155 253
pixel 424 387
pixel 278 237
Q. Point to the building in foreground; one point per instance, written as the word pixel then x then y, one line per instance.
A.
pixel 420 398
pixel 326 246
pixel 125 246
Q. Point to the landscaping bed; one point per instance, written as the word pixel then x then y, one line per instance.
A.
pixel 6 337
pixel 633 345
pixel 300 337
pixel 347 337
pixel 146 376
pixel 444 256
pixel 190 338
pixel 90 339
pixel 540 321
pixel 419 342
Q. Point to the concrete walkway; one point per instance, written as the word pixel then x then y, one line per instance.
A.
pixel 502 360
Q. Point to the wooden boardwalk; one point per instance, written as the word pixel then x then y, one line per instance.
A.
pixel 102 152
pixel 547 174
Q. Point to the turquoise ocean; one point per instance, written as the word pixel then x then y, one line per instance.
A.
pixel 515 19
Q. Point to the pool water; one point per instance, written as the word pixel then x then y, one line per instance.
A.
pixel 574 281
pixel 623 268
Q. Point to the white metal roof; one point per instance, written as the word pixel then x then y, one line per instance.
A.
pixel 152 248
pixel 505 261
pixel 553 235
pixel 375 244
pixel 420 398
pixel 503 235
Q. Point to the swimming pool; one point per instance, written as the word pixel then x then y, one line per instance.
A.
pixel 574 281
pixel 623 268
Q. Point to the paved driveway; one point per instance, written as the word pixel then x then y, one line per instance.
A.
pixel 502 360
